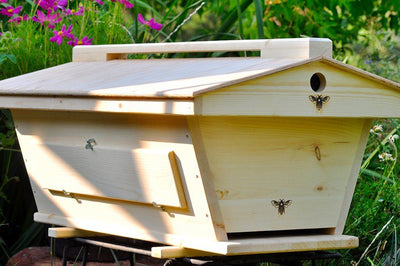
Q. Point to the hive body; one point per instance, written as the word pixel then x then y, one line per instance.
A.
pixel 225 156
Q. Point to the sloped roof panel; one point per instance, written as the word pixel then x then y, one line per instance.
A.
pixel 155 78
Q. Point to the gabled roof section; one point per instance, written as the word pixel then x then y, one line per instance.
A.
pixel 158 78
pixel 326 60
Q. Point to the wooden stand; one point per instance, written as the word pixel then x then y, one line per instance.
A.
pixel 239 245
pixel 268 246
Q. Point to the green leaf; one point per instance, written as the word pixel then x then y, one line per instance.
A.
pixel 259 18
pixel 240 19
pixel 12 58
pixel 3 58
pixel 230 19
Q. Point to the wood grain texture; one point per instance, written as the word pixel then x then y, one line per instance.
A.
pixel 159 78
pixel 255 160
pixel 273 48
pixel 155 78
pixel 259 245
pixel 186 151
pixel 206 173
pixel 67 232
pixel 115 214
pixel 164 252
pixel 168 107
pixel 176 172
pixel 353 177
pixel 291 243
pixel 287 93
pixel 117 167
pixel 219 86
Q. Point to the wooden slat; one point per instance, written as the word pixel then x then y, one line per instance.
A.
pixel 164 252
pixel 178 107
pixel 176 172
pixel 259 245
pixel 66 232
pixel 290 244
pixel 273 48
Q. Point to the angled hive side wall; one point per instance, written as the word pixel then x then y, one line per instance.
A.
pixel 126 185
pixel 255 161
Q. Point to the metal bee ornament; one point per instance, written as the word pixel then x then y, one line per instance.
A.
pixel 281 205
pixel 90 143
pixel 319 100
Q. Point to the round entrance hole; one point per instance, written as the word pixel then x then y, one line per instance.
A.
pixel 317 82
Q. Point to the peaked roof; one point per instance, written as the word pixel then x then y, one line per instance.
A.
pixel 157 78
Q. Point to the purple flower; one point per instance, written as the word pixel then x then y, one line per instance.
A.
pixel 126 3
pixel 59 35
pixel 3 1
pixel 10 11
pixel 368 62
pixel 18 19
pixel 74 12
pixel 151 23
pixel 52 4
pixel 99 2
pixel 85 41
pixel 50 19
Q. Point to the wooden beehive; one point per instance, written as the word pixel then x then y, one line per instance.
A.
pixel 220 155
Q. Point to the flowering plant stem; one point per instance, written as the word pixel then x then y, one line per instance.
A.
pixel 373 153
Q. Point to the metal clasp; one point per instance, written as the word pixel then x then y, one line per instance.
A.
pixel 71 195
pixel 155 204
pixel 158 206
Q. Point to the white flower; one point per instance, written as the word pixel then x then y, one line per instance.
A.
pixel 393 138
pixel 383 157
pixel 376 129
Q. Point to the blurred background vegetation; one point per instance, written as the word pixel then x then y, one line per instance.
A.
pixel 365 34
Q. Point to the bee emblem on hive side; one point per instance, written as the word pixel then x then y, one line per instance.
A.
pixel 319 100
pixel 281 204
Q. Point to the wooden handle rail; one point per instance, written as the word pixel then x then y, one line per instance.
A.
pixel 302 48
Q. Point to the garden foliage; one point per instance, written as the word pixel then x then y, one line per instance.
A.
pixel 37 34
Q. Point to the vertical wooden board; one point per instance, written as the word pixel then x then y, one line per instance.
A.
pixel 168 225
pixel 255 160
pixel 207 178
